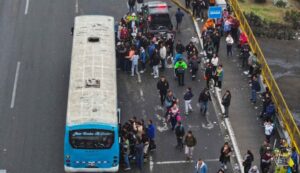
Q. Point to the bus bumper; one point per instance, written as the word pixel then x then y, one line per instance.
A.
pixel 71 169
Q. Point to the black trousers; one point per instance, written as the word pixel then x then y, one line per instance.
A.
pixel 163 95
pixel 180 79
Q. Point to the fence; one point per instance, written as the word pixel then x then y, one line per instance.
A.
pixel 284 112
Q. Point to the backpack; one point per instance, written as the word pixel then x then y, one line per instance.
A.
pixel 180 69
pixel 178 118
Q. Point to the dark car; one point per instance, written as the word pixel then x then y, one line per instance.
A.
pixel 158 19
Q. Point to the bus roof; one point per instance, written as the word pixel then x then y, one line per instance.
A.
pixel 92 88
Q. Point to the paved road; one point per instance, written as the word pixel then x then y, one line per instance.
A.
pixel 34 62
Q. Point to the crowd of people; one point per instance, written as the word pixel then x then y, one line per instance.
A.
pixel 136 50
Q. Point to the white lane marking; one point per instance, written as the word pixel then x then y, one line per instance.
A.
pixel 12 104
pixel 141 93
pixel 151 163
pixel 183 161
pixel 2 171
pixel 76 7
pixel 26 7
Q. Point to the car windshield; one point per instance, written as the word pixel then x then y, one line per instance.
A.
pixel 160 22
pixel 91 139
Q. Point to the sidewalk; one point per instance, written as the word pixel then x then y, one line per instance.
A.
pixel 243 116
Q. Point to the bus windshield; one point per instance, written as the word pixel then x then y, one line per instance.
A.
pixel 91 139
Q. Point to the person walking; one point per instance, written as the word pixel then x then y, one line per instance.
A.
pixel 179 15
pixel 163 55
pixel 190 142
pixel 155 63
pixel 134 63
pixel 226 102
pixel 229 43
pixel 208 74
pixel 255 87
pixel 225 155
pixel 269 127
pixel 245 53
pixel 179 48
pixel 248 159
pixel 204 97
pixel 187 100
pixel 201 167
pixel 162 86
pixel 151 135
pixel 139 6
pixel 295 158
pixel 173 116
pixel 126 152
pixel 170 100
pixel 180 68
pixel 219 76
pixel 265 162
pixel 194 65
pixel 179 132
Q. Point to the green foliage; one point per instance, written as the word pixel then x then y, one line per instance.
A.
pixel 293 17
pixel 260 1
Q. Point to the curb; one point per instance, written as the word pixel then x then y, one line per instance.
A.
pixel 227 122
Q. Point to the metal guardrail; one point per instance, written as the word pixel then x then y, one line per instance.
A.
pixel 283 111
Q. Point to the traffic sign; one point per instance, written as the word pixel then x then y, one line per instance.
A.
pixel 215 12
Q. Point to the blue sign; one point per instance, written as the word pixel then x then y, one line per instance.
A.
pixel 215 12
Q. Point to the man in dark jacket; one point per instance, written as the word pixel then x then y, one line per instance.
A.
pixel 208 74
pixel 245 49
pixel 204 97
pixel 179 15
pixel 179 47
pixel 226 102
pixel 162 86
pixel 179 132
pixel 255 87
pixel 194 65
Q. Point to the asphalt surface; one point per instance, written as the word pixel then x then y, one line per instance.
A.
pixel 35 55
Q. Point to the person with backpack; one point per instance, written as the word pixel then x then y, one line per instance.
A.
pixel 226 102
pixel 248 159
pixel 180 68
pixel 179 15
pixel 187 100
pixel 173 116
pixel 179 132
pixel 190 142
pixel 204 97
pixel 255 87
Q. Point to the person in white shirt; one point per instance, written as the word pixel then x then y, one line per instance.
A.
pixel 135 61
pixel 269 127
pixel 215 62
pixel 163 55
pixel 229 43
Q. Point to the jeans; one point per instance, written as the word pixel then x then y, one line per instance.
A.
pixel 187 106
pixel 226 111
pixel 126 160
pixel 134 67
pixel 203 107
pixel 163 63
pixel 253 95
pixel 229 49
pixel 155 71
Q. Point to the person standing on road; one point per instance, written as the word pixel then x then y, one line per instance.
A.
pixel 265 162
pixel 139 5
pixel 155 62
pixel 295 158
pixel 245 53
pixel 151 135
pixel 229 44
pixel 255 87
pixel 204 97
pixel 194 65
pixel 187 100
pixel 139 153
pixel 248 159
pixel 170 100
pixel 162 86
pixel 131 4
pixel 269 127
pixel 179 48
pixel 173 116
pixel 201 167
pixel 179 15
pixel 253 169
pixel 179 132
pixel 219 76
pixel 163 55
pixel 190 142
pixel 143 59
pixel 226 102
pixel 208 74
pixel 180 68
pixel 126 152
pixel 225 155
pixel 134 63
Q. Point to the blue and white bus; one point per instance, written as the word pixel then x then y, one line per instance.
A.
pixel 91 135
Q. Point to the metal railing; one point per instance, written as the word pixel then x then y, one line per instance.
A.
pixel 283 111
